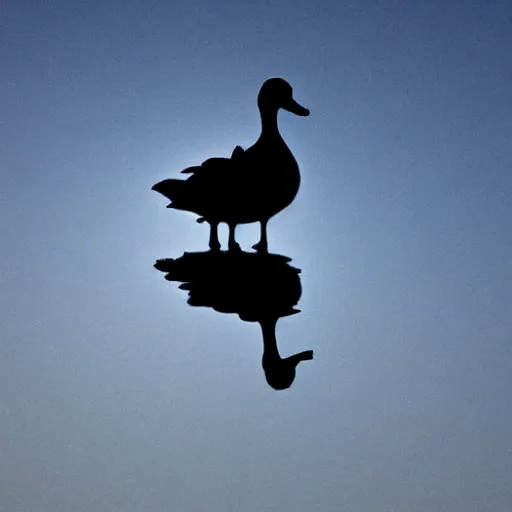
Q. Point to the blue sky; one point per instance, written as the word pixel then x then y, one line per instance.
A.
pixel 117 396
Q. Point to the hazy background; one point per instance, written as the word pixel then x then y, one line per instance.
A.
pixel 117 396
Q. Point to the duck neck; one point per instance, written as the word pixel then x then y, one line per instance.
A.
pixel 270 350
pixel 269 122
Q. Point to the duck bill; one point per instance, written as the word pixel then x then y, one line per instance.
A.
pixel 293 107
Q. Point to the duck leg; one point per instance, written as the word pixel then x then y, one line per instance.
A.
pixel 232 245
pixel 214 237
pixel 262 245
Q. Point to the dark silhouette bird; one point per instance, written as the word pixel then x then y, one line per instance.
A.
pixel 258 287
pixel 250 186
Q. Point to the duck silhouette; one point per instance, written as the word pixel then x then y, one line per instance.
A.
pixel 250 186
pixel 258 287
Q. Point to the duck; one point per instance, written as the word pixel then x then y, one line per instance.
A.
pixel 279 372
pixel 251 185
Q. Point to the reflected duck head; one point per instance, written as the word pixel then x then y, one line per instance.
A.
pixel 277 93
pixel 280 373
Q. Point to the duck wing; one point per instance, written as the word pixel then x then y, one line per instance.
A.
pixel 207 191
pixel 217 164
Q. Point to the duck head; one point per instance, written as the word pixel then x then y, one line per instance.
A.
pixel 280 373
pixel 277 93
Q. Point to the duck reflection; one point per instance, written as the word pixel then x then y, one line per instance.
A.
pixel 258 287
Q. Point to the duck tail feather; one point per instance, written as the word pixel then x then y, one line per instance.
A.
pixel 172 189
pixel 191 170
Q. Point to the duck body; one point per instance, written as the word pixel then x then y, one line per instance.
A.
pixel 268 181
pixel 250 186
